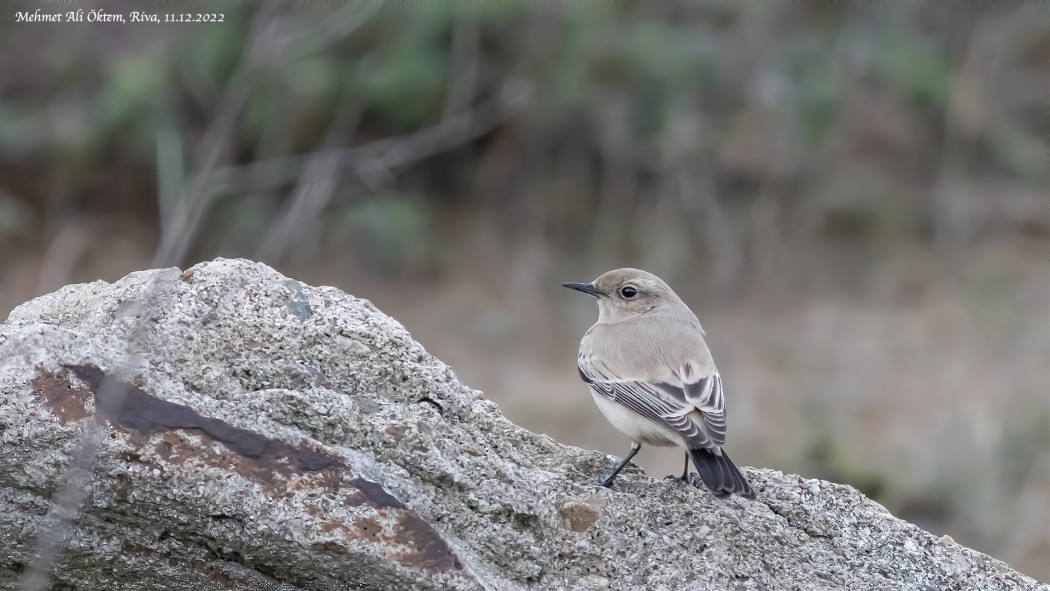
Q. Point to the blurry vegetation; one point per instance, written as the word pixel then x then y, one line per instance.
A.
pixel 392 227
pixel 919 72
pixel 746 97
pixel 1021 451
pixel 823 460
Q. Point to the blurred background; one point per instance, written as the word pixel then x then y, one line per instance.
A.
pixel 852 196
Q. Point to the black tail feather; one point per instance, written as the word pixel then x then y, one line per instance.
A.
pixel 720 474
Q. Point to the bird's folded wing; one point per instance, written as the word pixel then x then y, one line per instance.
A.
pixel 671 403
pixel 704 394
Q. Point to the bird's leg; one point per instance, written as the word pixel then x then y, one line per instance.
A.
pixel 685 472
pixel 635 446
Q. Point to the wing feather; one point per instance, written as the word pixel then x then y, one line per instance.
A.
pixel 672 403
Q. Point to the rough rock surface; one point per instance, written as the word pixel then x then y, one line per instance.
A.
pixel 257 433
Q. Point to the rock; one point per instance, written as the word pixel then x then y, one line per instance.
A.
pixel 581 515
pixel 226 428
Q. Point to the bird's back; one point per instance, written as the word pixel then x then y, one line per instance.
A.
pixel 651 346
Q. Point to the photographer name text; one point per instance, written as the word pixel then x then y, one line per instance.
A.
pixel 100 16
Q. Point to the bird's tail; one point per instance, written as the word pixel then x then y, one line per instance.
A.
pixel 720 474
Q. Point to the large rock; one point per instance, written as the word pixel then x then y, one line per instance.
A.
pixel 228 428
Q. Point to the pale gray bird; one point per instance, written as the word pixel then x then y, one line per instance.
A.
pixel 652 376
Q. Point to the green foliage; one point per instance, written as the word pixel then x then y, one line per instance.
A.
pixel 638 69
pixel 404 80
pixel 238 223
pixel 210 54
pixel 136 82
pixel 15 130
pixel 1021 154
pixel 131 99
pixel 15 218
pixel 814 69
pixel 389 228
pixel 663 68
pixel 920 72
pixel 816 103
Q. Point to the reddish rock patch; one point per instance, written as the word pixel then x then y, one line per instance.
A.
pixel 68 404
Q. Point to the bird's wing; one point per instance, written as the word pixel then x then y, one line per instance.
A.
pixel 672 404
pixel 704 393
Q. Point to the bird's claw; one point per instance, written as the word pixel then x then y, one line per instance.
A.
pixel 690 479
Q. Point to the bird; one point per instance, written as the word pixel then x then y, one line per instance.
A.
pixel 652 376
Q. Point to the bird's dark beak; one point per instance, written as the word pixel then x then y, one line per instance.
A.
pixel 588 288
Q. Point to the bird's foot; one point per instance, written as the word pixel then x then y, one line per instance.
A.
pixel 683 479
pixel 604 483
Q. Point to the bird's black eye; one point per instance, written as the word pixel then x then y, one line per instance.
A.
pixel 628 292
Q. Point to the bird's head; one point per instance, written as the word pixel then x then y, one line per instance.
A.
pixel 627 293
